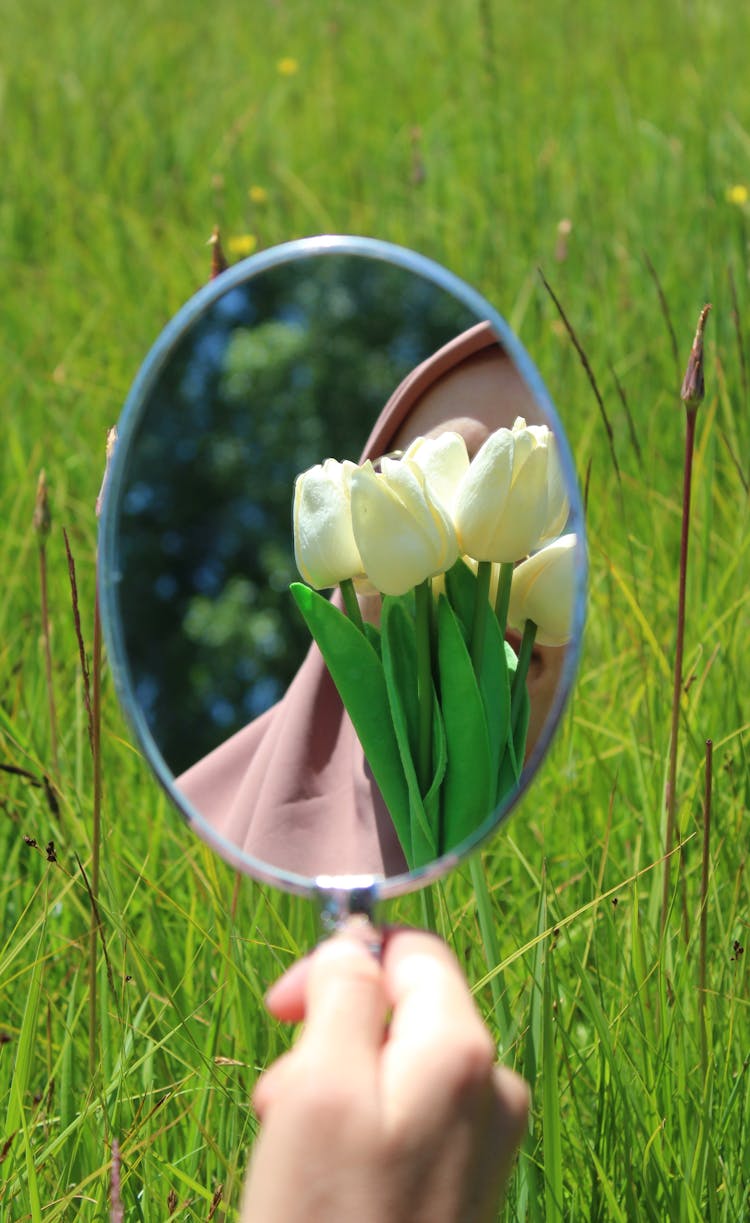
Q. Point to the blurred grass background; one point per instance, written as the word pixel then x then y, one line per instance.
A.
pixel 469 131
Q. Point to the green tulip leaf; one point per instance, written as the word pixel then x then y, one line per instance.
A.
pixel 460 586
pixel 373 636
pixel 433 797
pixel 521 729
pixel 469 786
pixel 399 640
pixel 399 649
pixel 358 675
pixel 496 671
pixel 511 765
pixel 507 782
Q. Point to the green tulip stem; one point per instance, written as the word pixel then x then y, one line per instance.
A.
pixel 522 669
pixel 433 620
pixel 502 598
pixel 481 607
pixel 351 603
pixel 423 598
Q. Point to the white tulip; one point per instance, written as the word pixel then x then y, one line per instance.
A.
pixel 512 497
pixel 402 530
pixel 543 590
pixel 443 460
pixel 324 545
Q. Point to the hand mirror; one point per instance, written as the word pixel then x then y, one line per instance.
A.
pixel 338 347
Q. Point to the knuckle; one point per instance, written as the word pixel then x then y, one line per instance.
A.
pixel 471 1063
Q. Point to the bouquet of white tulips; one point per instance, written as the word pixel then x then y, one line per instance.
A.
pixel 437 696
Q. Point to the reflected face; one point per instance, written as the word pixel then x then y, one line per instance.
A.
pixel 481 394
pixel 276 371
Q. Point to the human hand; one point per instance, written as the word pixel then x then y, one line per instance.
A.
pixel 407 1121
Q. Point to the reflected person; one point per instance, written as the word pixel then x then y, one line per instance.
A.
pixel 293 788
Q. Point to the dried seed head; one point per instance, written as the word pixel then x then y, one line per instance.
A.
pixel 42 519
pixel 218 258
pixel 216 1201
pixel 564 230
pixel 693 389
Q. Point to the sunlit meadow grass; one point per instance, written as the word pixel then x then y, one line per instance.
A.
pixel 469 131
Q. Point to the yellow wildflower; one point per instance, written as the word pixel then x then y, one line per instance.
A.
pixel 258 195
pixel 242 245
pixel 738 194
pixel 287 66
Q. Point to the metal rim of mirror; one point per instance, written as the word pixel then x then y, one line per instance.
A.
pixel 368 889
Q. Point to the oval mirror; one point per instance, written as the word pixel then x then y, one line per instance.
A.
pixel 350 349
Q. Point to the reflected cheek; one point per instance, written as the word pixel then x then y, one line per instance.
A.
pixel 472 431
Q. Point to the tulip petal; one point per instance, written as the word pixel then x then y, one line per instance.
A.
pixel 526 509
pixel 403 535
pixel 324 546
pixel 443 460
pixel 482 495
pixel 558 505
pixel 544 589
pixel 513 495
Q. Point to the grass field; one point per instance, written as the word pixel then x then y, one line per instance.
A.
pixel 469 131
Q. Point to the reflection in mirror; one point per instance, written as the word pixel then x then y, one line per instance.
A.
pixel 332 355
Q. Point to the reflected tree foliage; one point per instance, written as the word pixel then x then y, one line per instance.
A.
pixel 274 376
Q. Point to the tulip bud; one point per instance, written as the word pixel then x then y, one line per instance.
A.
pixel 513 495
pixel 324 546
pixel 403 532
pixel 543 591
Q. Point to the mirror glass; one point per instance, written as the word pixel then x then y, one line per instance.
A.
pixel 324 348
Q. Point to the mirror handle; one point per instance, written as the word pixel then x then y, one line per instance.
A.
pixel 350 905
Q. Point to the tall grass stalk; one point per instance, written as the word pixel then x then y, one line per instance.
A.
pixel 96 833
pixel 487 927
pixel 705 871
pixel 692 394
pixel 42 522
